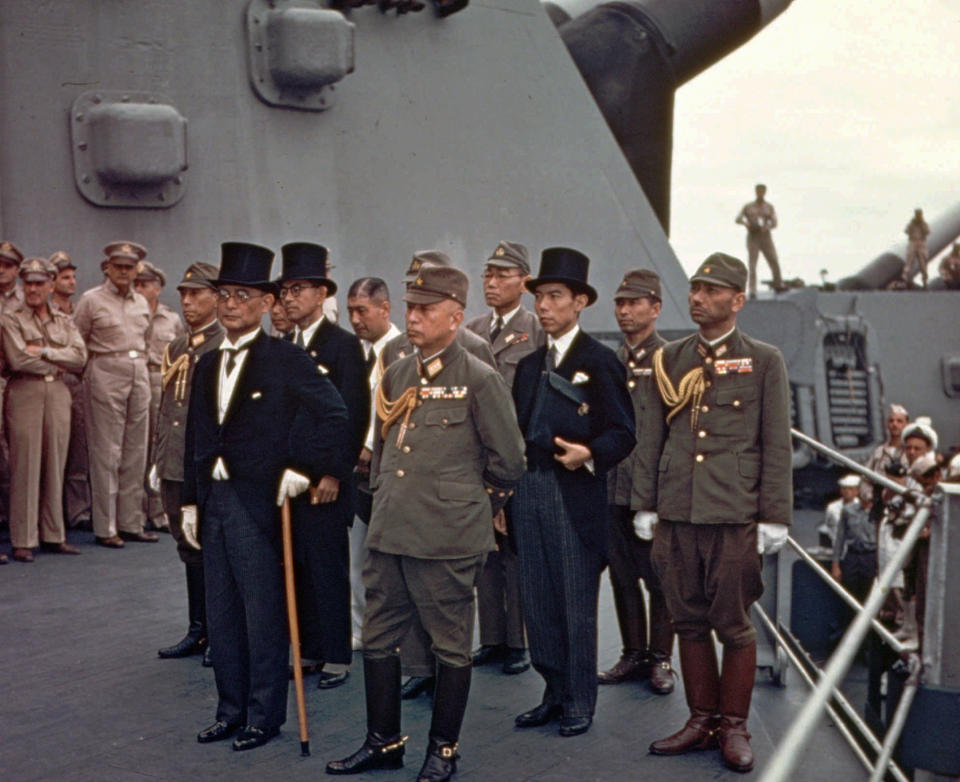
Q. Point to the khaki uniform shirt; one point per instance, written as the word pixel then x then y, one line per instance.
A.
pixel 58 334
pixel 439 481
pixel 165 326
pixel 520 336
pixel 758 216
pixel 733 464
pixel 642 387
pixel 11 300
pixel 111 323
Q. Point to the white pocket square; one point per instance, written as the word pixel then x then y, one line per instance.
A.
pixel 256 395
pixel 322 369
pixel 580 378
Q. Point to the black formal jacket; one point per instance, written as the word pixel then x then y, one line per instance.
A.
pixel 266 428
pixel 338 355
pixel 612 433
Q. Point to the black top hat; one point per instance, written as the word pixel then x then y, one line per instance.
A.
pixel 566 265
pixel 245 264
pixel 306 261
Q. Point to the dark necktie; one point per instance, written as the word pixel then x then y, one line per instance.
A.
pixel 497 328
pixel 371 361
pixel 552 358
pixel 299 340
pixel 231 358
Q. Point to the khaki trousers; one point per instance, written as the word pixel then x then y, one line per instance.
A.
pixel 117 394
pixel 38 431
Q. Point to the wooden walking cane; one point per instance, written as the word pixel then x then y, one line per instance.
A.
pixel 294 626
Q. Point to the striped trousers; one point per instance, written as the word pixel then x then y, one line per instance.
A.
pixel 560 582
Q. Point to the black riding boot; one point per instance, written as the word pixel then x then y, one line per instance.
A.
pixel 449 704
pixel 383 747
pixel 195 641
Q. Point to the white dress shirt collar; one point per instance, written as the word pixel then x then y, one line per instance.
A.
pixel 562 344
pixel 309 331
pixel 506 318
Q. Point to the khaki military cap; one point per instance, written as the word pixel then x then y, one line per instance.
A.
pixel 639 283
pixel 37 270
pixel 722 269
pixel 10 254
pixel 62 261
pixel 199 275
pixel 147 272
pixel 430 257
pixel 510 255
pixel 130 250
pixel 436 283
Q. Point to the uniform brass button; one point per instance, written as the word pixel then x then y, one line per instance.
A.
pixel 444 420
pixel 701 434
pixel 631 383
pixel 423 381
pixel 179 404
pixel 503 494
pixel 400 473
pixel 708 360
pixel 736 403
pixel 704 409
pixel 489 490
pixel 406 449
pixel 631 364
pixel 699 457
pixel 176 423
pixel 412 425
pixel 708 384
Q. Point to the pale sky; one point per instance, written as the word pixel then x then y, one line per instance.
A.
pixel 849 112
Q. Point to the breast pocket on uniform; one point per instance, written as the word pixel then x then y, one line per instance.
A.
pixel 734 406
pixel 446 417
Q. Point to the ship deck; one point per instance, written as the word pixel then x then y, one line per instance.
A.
pixel 85 697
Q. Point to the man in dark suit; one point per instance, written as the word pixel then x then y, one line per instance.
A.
pixel 513 332
pixel 251 408
pixel 722 490
pixel 320 528
pixel 559 510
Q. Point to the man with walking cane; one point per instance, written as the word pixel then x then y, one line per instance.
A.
pixel 252 401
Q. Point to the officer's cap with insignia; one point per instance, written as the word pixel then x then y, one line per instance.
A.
pixel 199 275
pixel 638 284
pixel 510 255
pixel 722 269
pixel 9 253
pixel 131 251
pixel 422 258
pixel 436 283
pixel 147 272
pixel 62 261
pixel 37 270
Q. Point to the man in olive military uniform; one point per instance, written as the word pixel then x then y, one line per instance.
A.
pixel 165 326
pixel 513 332
pixel 722 490
pixel 113 320
pixel 447 455
pixel 321 547
pixel 418 662
pixel 39 346
pixel 198 300
pixel 637 306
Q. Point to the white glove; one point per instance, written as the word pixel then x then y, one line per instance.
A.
pixel 643 521
pixel 153 478
pixel 771 537
pixel 292 484
pixel 188 523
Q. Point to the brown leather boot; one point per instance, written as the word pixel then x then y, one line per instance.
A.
pixel 736 689
pixel 701 682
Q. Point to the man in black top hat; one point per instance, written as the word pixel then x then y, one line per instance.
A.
pixel 253 401
pixel 559 511
pixel 321 545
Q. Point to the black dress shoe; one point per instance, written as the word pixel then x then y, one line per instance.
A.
pixel 574 726
pixel 217 732
pixel 416 685
pixel 376 752
pixel 544 713
pixel 516 662
pixel 440 763
pixel 489 653
pixel 251 737
pixel 207 661
pixel 327 680
pixel 186 646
